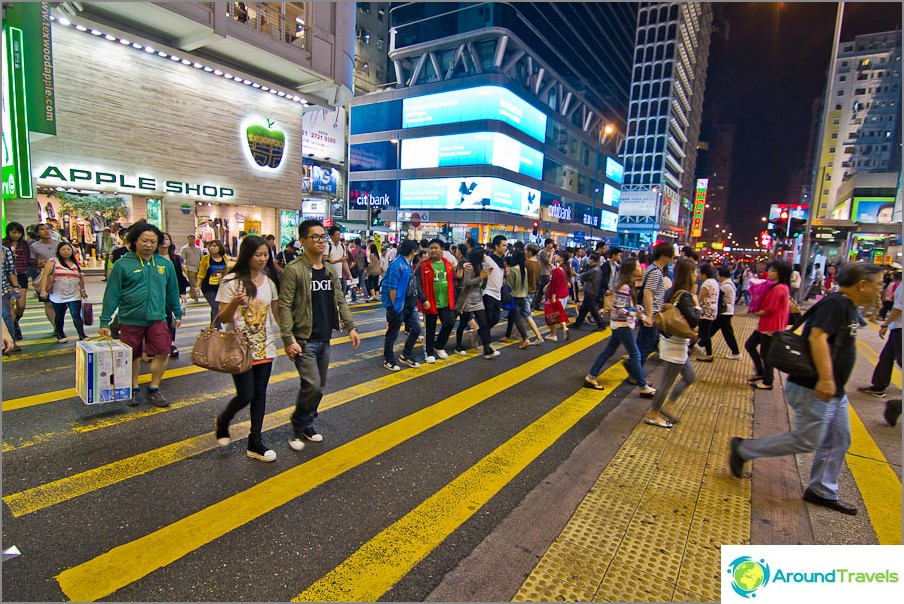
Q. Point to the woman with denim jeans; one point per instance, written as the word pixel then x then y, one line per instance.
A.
pixel 520 315
pixel 622 321
pixel 470 304
pixel 64 284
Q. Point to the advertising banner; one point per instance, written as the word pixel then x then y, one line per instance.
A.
pixel 611 196
pixel 324 179
pixel 614 170
pixel 16 149
pixel 796 210
pixel 699 207
pixel 477 148
pixel 637 203
pixel 288 227
pixel 469 194
pixel 609 221
pixel 584 214
pixel 323 134
pixel 480 103
pixel 33 18
pixel 874 210
pixel 374 193
pixel 313 208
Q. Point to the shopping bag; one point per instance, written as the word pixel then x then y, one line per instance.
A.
pixel 553 313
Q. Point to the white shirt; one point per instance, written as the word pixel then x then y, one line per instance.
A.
pixel 256 319
pixel 710 307
pixel 336 251
pixel 896 324
pixel 494 279
pixel 450 257
pixel 729 295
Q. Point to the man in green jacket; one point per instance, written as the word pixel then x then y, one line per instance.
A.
pixel 143 286
pixel 311 305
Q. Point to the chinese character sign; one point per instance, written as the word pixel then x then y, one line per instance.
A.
pixel 699 207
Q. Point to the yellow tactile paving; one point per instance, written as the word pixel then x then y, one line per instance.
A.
pixel 651 528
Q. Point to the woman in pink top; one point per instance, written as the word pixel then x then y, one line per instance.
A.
pixel 557 292
pixel 773 316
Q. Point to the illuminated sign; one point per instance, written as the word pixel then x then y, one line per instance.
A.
pixel 558 211
pixel 614 170
pixel 611 196
pixel 324 179
pixel 796 210
pixel 874 210
pixel 699 207
pixel 476 193
pixel 323 133
pixel 637 203
pixel 313 208
pixel 375 193
pixel 264 143
pixel 16 150
pixel 765 239
pixel 54 175
pixel 609 221
pixel 477 148
pixel 480 103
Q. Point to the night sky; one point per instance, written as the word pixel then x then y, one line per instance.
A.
pixel 764 80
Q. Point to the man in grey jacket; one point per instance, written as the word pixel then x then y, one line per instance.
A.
pixel 311 305
pixel 591 277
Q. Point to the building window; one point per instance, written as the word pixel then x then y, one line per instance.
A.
pixel 836 121
pixel 834 135
pixel 842 79
pixel 364 7
pixel 381 12
pixel 831 149
pixel 380 43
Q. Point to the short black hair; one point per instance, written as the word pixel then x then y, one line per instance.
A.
pixel 724 271
pixel 707 270
pixel 498 239
pixel 408 246
pixel 137 229
pixel 594 256
pixel 424 242
pixel 663 248
pixel 518 245
pixel 357 241
pixel 853 273
pixel 334 229
pixel 306 226
pixel 614 251
pixel 438 242
pixel 548 241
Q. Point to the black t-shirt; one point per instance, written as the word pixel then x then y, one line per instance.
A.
pixel 837 316
pixel 321 305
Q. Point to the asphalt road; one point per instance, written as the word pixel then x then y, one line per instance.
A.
pixel 121 503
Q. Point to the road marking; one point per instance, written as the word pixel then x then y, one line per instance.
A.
pixel 384 560
pixel 61 395
pixel 872 356
pixel 101 576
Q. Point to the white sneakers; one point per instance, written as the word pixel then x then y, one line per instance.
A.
pixel 442 354
pixel 733 357
pixel 296 443
pixel 430 359
pixel 389 367
pixel 492 355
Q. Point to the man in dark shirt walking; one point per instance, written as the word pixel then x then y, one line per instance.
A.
pixel 820 405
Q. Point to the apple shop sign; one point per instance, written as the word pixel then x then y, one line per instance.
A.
pixel 83 176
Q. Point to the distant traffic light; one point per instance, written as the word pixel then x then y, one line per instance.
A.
pixel 784 214
pixel 375 217
pixel 536 227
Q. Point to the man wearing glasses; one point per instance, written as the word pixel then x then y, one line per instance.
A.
pixel 311 305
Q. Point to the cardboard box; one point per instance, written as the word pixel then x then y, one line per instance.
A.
pixel 103 371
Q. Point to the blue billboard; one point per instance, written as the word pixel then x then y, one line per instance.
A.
pixel 614 170
pixel 609 221
pixel 480 103
pixel 611 196
pixel 324 180
pixel 375 193
pixel 475 148
pixel 476 193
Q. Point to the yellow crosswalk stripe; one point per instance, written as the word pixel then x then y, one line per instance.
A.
pixel 103 575
pixel 384 560
pixel 60 395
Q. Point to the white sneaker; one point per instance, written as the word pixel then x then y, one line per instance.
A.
pixel 493 355
pixel 430 359
pixel 462 353
pixel 296 444
pixel 733 357
pixel 442 354
pixel 409 362
pixel 391 367
pixel 552 338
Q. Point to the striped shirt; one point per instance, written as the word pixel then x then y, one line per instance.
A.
pixel 653 281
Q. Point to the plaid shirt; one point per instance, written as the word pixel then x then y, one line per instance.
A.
pixel 22 256
pixel 9 267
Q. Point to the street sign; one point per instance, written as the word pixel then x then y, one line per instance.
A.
pixel 580 237
pixel 327 222
pixel 699 206
pixel 16 149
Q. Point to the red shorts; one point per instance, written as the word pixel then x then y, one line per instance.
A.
pixel 153 339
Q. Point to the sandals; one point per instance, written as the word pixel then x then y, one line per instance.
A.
pixel 760 386
pixel 592 383
pixel 525 344
pixel 661 424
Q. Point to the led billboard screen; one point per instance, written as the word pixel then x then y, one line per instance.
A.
pixel 481 103
pixel 609 221
pixel 469 194
pixel 476 148
pixel 614 170
pixel 611 196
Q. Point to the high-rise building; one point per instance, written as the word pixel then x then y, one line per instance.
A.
pixel 371 46
pixel 670 60
pixel 714 163
pixel 862 132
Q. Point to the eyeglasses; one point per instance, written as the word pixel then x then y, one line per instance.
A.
pixel 321 237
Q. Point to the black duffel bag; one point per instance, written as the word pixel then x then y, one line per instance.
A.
pixel 789 351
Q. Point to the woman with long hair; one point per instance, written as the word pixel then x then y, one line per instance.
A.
pixel 167 249
pixel 470 303
pixel 517 281
pixel 64 284
pixel 248 300
pixel 212 268
pixel 709 305
pixel 557 293
pixel 622 320
pixel 373 271
pixel 17 243
pixel 673 349
pixel 773 316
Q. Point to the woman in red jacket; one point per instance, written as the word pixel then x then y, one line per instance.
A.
pixel 557 292
pixel 773 316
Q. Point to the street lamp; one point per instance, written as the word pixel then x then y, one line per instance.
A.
pixel 602 137
pixel 398 149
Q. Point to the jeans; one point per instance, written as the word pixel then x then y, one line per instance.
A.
pixel 211 296
pixel 250 389
pixel 483 329
pixel 589 305
pixel 446 318
pixel 705 331
pixel 890 355
pixel 647 341
pixel 312 365
pixel 8 315
pixel 493 308
pixel 757 346
pixel 410 319
pixel 75 311
pixel 670 372
pixel 746 295
pixel 723 322
pixel 817 425
pixel 622 336
pixel 518 317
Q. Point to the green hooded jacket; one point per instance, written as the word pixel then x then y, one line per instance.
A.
pixel 142 290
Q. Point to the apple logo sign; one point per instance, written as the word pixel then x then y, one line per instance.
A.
pixel 266 143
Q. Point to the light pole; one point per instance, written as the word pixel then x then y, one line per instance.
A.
pixel 816 189
pixel 398 186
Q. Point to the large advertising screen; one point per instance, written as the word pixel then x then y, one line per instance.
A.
pixel 874 210
pixel 469 194
pixel 476 148
pixel 609 221
pixel 324 179
pixel 375 193
pixel 481 103
pixel 638 203
pixel 614 170
pixel 611 196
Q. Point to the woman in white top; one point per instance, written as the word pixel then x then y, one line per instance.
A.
pixel 249 301
pixel 64 284
pixel 709 303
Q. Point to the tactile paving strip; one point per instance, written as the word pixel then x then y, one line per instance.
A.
pixel 652 526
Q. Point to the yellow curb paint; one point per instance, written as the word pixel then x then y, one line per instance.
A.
pixel 103 575
pixel 384 560
pixel 60 395
pixel 872 356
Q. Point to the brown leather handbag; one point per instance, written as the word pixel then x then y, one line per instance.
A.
pixel 670 320
pixel 222 351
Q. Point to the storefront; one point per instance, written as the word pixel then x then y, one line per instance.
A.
pixel 183 146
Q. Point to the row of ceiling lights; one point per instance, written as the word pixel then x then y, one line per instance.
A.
pixel 150 50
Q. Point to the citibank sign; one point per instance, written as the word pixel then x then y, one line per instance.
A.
pixel 54 175
pixel 558 211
